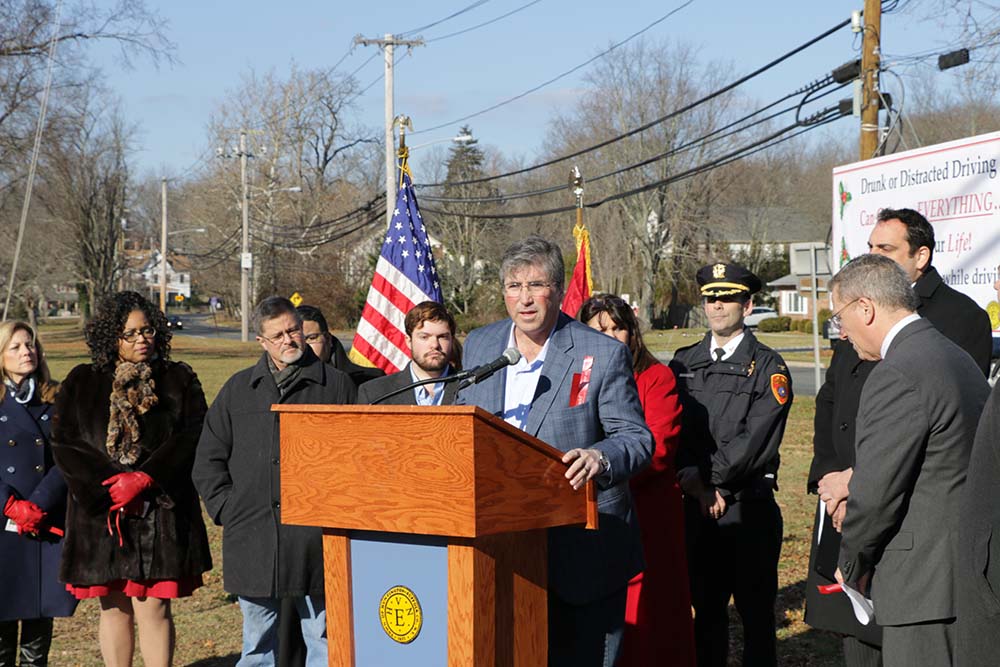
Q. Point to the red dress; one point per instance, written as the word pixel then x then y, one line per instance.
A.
pixel 658 625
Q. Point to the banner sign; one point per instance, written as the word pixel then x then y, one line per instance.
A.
pixel 954 185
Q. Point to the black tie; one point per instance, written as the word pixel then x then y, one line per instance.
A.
pixel 719 353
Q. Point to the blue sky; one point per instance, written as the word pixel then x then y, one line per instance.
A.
pixel 219 41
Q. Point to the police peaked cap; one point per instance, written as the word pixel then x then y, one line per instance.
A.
pixel 721 279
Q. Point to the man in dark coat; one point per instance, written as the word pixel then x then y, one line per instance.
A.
pixel 317 334
pixel 907 237
pixel 237 474
pixel 978 642
pixel 430 335
pixel 736 394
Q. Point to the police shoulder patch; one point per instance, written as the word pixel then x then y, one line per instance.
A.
pixel 779 387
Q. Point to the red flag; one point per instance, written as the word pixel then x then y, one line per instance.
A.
pixel 581 284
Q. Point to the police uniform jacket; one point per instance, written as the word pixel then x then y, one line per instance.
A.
pixel 733 416
pixel 29 578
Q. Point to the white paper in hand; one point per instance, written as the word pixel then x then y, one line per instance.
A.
pixel 864 608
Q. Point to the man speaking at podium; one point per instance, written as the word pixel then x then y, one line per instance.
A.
pixel 572 388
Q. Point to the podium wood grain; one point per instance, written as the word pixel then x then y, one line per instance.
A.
pixel 452 471
pixel 339 598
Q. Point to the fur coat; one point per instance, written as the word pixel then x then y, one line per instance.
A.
pixel 168 540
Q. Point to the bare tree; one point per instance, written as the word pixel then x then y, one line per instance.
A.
pixel 85 181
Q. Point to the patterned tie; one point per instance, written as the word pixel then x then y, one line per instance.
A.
pixel 719 353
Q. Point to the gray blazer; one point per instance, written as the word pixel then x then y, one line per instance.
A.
pixel 917 420
pixel 584 566
pixel 379 387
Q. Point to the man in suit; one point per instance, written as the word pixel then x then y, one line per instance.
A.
pixel 979 544
pixel 574 389
pixel 905 236
pixel 430 335
pixel 919 410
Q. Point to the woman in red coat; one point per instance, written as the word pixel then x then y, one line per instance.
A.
pixel 658 627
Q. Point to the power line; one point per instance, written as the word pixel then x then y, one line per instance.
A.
pixel 484 24
pixel 718 134
pixel 710 96
pixel 560 76
pixel 773 139
pixel 446 18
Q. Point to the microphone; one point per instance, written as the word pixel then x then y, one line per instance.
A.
pixel 480 373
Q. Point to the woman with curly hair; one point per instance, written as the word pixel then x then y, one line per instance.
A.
pixel 124 436
pixel 33 501
pixel 658 626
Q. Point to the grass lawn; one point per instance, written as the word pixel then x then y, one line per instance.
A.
pixel 209 625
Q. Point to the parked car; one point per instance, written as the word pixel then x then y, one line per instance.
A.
pixel 174 322
pixel 759 314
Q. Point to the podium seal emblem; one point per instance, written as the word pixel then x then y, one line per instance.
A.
pixel 400 614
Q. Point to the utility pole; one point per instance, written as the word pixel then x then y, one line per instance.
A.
pixel 870 52
pixel 387 44
pixel 246 258
pixel 163 246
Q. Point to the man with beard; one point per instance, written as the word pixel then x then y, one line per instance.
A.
pixel 236 472
pixel 430 335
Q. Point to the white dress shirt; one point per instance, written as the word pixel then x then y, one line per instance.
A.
pixel 522 381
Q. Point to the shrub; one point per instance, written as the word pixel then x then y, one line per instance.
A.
pixel 774 324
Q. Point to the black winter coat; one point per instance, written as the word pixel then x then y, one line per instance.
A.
pixel 957 317
pixel 734 415
pixel 978 601
pixel 29 578
pixel 237 474
pixel 167 542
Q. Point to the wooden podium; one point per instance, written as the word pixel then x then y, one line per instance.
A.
pixel 433 518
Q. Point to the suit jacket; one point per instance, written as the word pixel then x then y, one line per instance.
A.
pixel 373 389
pixel 919 410
pixel 968 326
pixel 978 642
pixel 584 566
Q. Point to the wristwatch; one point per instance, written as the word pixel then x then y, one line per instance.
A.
pixel 605 463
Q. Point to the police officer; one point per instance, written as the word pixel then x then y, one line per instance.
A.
pixel 736 393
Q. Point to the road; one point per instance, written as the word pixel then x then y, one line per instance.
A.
pixel 803 380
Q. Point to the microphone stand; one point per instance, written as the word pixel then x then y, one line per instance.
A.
pixel 419 383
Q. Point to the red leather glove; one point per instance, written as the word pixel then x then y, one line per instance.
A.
pixel 126 487
pixel 27 515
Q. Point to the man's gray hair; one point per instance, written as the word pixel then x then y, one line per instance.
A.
pixel 270 308
pixel 878 278
pixel 534 251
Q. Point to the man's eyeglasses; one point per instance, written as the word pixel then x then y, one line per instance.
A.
pixel 835 318
pixel 535 288
pixel 276 339
pixel 132 335
pixel 315 337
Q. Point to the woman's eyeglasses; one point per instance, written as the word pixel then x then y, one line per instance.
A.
pixel 132 335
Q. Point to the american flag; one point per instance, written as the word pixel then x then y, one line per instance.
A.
pixel 405 275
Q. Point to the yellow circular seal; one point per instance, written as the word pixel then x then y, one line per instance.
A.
pixel 400 614
pixel 993 309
